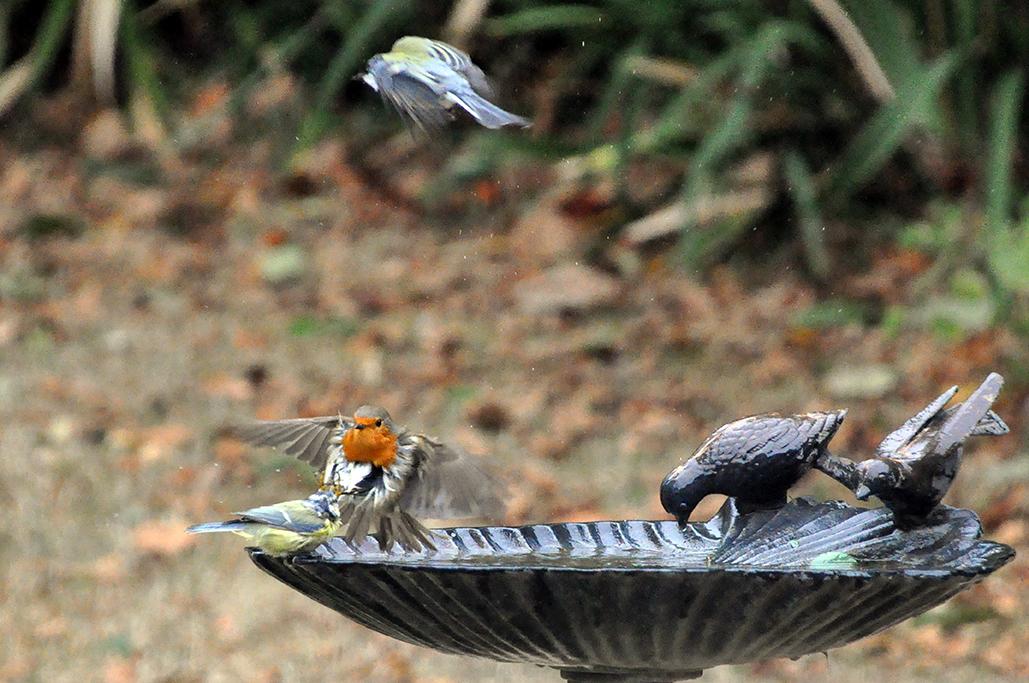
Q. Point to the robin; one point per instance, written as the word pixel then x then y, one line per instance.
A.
pixel 427 81
pixel 385 475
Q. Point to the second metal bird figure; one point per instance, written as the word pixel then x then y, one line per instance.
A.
pixel 915 465
pixel 428 81
pixel 385 476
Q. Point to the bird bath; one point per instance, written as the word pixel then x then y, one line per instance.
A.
pixel 650 600
pixel 659 601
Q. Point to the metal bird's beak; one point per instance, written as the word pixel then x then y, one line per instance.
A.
pixel 862 492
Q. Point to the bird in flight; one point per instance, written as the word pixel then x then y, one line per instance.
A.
pixel 429 81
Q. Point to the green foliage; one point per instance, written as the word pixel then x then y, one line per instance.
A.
pixel 548 18
pixel 695 85
pixel 889 29
pixel 1008 243
pixel 932 236
pixel 308 325
pixel 1009 259
pixel 879 139
pixel 43 226
pixel 349 58
pixel 954 615
pixel 809 217
pixel 831 313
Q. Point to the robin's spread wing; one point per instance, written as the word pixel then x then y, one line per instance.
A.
pixel 450 484
pixel 306 438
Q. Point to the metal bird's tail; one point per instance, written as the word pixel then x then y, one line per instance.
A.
pixel 216 527
pixel 971 415
pixel 486 113
pixel 990 425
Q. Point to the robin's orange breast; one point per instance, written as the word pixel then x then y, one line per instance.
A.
pixel 376 445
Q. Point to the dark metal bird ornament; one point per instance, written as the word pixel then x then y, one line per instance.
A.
pixel 755 460
pixel 915 465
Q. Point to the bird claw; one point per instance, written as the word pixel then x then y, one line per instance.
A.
pixel 334 489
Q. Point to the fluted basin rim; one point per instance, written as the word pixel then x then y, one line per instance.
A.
pixel 704 547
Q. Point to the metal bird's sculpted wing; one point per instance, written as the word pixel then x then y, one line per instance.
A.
pixel 991 425
pixel 306 438
pixel 771 433
pixel 903 434
pixel 964 420
pixel 934 425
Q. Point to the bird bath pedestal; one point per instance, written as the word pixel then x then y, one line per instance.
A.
pixel 650 600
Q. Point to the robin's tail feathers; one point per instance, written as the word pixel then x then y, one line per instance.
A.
pixel 389 529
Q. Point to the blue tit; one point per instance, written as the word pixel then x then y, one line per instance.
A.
pixel 427 81
pixel 295 526
pixel 385 475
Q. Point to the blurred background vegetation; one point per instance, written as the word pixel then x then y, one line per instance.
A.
pixel 868 123
pixel 723 207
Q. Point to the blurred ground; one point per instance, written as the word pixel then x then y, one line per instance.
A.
pixel 152 293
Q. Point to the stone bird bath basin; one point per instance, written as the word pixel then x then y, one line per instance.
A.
pixel 650 601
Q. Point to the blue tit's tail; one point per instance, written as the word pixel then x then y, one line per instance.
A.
pixel 485 112
pixel 215 527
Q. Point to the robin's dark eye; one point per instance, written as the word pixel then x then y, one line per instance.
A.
pixel 378 423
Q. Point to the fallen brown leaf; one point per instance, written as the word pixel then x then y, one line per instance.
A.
pixel 159 442
pixel 224 385
pixel 119 670
pixel 162 537
pixel 52 628
pixel 109 568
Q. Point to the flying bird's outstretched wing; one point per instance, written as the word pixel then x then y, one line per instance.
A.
pixel 416 101
pixel 459 61
pixel 307 438
pixel 450 484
